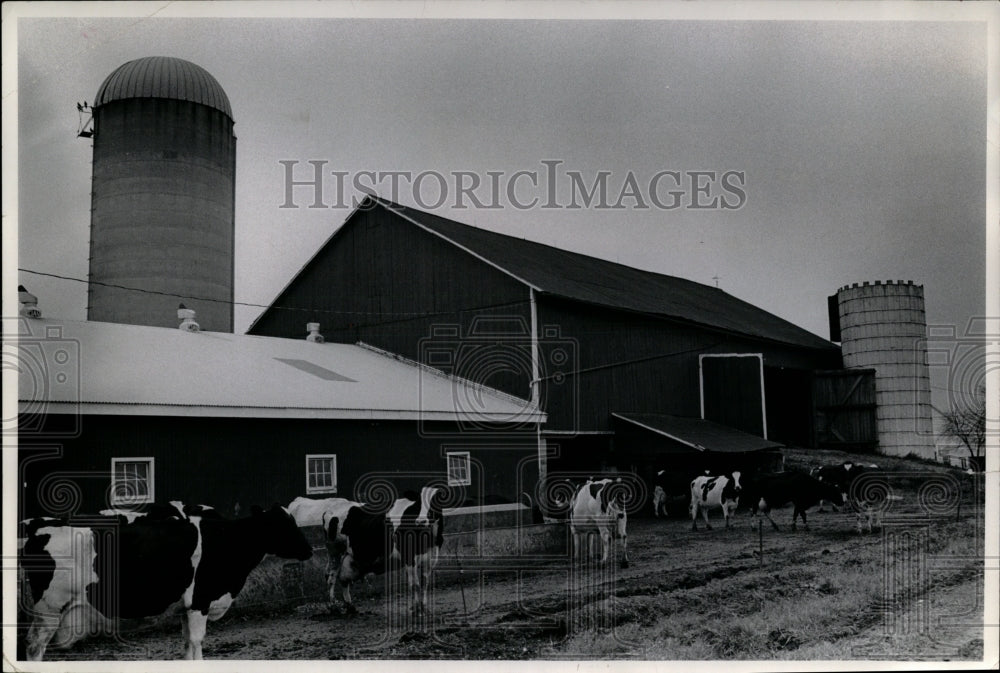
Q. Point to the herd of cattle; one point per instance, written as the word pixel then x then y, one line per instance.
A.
pixel 191 559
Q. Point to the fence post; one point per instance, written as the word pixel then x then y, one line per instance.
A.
pixel 760 538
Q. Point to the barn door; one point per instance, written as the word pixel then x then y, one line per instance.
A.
pixel 844 409
pixel 732 391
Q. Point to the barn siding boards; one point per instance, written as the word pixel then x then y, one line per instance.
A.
pixel 222 461
pixel 632 337
pixel 383 281
pixel 630 362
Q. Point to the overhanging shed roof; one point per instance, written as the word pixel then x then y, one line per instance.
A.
pixel 105 368
pixel 699 434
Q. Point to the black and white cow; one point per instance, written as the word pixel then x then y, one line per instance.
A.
pixel 196 563
pixel 173 509
pixel 840 474
pixel 409 534
pixel 596 508
pixel 708 492
pixel 315 512
pixel 769 491
pixel 672 490
pixel 862 486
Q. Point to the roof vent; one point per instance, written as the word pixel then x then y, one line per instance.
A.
pixel 29 303
pixel 186 316
pixel 314 335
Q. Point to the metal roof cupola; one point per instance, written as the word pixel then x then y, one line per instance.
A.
pixel 163 196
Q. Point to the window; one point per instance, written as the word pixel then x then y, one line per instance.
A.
pixel 132 481
pixel 458 469
pixel 321 473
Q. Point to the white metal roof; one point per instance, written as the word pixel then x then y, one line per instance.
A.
pixel 106 368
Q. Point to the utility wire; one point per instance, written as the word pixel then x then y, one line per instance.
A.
pixel 412 314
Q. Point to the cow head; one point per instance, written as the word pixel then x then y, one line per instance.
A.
pixel 280 534
pixel 735 482
pixel 612 498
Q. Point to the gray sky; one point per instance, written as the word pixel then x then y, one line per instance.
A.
pixel 863 143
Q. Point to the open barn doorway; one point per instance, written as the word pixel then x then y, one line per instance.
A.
pixel 789 405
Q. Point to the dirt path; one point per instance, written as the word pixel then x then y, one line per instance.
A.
pixel 819 594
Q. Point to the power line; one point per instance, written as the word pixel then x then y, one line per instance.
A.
pixel 409 314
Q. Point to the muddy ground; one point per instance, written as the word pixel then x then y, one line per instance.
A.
pixel 911 590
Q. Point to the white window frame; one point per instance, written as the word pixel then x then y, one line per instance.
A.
pixel 150 481
pixel 333 473
pixel 468 468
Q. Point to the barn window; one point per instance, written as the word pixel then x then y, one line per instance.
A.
pixel 132 481
pixel 321 473
pixel 458 468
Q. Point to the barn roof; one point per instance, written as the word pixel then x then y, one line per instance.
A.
pixel 105 368
pixel 699 434
pixel 579 277
pixel 598 281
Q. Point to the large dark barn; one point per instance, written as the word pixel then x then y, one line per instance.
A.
pixel 586 337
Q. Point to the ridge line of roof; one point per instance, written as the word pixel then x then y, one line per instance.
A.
pixel 402 211
pixel 312 258
pixel 399 210
pixel 392 205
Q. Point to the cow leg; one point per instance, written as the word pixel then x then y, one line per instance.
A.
pixel 425 584
pixel 704 515
pixel 605 545
pixel 413 583
pixel 195 633
pixel 805 524
pixel 768 515
pixel 43 627
pixel 694 516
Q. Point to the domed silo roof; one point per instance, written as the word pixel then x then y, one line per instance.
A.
pixel 164 77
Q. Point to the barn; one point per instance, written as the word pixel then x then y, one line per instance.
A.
pixel 116 415
pixel 592 342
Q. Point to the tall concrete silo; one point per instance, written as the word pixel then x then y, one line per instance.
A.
pixel 162 207
pixel 883 326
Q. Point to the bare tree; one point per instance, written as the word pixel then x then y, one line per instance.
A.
pixel 968 425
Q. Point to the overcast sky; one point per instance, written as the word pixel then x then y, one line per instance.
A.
pixel 862 144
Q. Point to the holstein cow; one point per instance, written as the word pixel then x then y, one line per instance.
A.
pixel 200 563
pixel 770 491
pixel 671 490
pixel 310 512
pixel 846 478
pixel 410 534
pixel 840 474
pixel 596 508
pixel 714 492
pixel 659 501
pixel 174 509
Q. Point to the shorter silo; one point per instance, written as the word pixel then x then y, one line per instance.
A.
pixel 883 327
